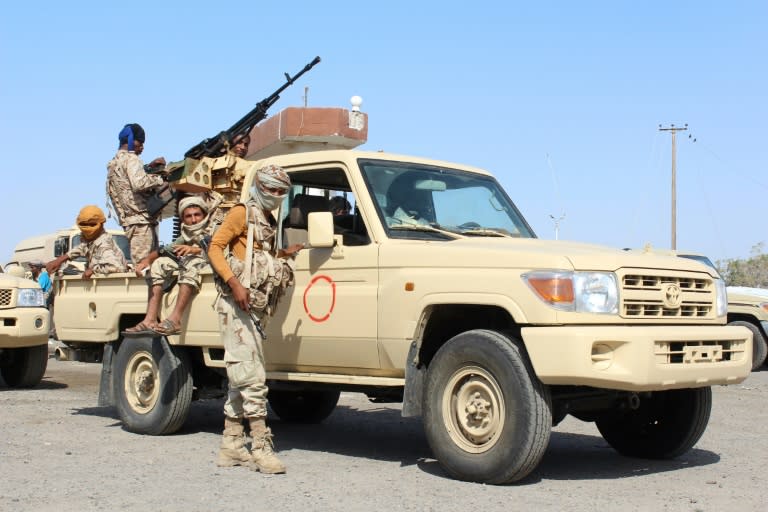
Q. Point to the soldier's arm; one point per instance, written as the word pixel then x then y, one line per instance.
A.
pixel 231 228
pixel 138 178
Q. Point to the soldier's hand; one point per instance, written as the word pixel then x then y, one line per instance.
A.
pixel 291 251
pixel 240 294
pixel 184 250
pixel 140 266
pixel 88 273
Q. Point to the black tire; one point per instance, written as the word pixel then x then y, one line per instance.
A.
pixel 152 386
pixel 305 406
pixel 759 347
pixel 24 367
pixel 666 425
pixel 487 416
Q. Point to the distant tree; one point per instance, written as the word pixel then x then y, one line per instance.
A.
pixel 752 272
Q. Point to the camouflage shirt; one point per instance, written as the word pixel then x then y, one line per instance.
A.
pixel 129 186
pixel 103 255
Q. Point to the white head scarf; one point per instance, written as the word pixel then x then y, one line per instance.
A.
pixel 270 176
pixel 193 233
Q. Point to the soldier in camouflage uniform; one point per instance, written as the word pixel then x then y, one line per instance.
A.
pixel 100 250
pixel 129 186
pixel 187 257
pixel 253 272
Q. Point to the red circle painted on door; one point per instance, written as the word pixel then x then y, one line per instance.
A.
pixel 326 315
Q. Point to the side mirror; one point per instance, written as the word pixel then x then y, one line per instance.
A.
pixel 320 227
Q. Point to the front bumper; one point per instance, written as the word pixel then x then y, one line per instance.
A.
pixel 23 327
pixel 640 358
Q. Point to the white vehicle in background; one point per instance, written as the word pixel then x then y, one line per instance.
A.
pixel 23 331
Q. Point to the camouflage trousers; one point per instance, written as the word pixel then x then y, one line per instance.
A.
pixel 244 359
pixel 162 270
pixel 143 240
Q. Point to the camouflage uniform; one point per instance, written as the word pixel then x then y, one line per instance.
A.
pixel 162 269
pixel 243 351
pixel 129 187
pixel 103 255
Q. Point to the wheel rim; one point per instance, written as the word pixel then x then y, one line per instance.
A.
pixel 142 382
pixel 473 409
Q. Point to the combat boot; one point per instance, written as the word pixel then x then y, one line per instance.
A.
pixel 262 450
pixel 233 451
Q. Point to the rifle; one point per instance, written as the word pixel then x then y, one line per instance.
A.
pixel 213 146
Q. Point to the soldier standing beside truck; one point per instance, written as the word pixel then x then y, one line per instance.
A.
pixel 129 186
pixel 254 272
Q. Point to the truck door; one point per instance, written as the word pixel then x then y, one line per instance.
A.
pixel 327 321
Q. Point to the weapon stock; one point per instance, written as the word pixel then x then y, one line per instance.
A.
pixel 213 146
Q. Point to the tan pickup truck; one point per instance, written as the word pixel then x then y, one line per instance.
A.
pixel 23 331
pixel 434 291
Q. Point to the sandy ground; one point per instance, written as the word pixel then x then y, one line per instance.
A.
pixel 60 451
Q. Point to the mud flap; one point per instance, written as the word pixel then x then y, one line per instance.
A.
pixel 106 389
pixel 414 385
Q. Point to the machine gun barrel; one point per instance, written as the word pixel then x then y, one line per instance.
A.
pixel 213 146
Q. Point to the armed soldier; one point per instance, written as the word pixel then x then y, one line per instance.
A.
pixel 255 273
pixel 129 186
pixel 187 257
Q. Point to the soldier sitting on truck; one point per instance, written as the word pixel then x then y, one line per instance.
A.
pixel 100 250
pixel 187 257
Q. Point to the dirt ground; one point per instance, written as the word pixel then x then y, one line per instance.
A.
pixel 60 451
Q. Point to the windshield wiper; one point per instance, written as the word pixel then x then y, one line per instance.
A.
pixel 427 228
pixel 485 232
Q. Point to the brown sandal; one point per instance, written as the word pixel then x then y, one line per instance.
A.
pixel 139 329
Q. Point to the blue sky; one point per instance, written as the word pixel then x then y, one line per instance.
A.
pixel 560 100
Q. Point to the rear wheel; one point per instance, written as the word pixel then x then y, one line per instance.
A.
pixel 152 386
pixel 304 406
pixel 665 425
pixel 24 367
pixel 486 415
pixel 759 347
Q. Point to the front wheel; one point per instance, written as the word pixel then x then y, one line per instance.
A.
pixel 666 424
pixel 24 367
pixel 487 416
pixel 303 406
pixel 152 386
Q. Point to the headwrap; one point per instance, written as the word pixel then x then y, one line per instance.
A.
pixel 90 221
pixel 270 176
pixel 130 133
pixel 193 233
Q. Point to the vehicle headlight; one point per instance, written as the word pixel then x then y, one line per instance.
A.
pixel 722 298
pixel 581 292
pixel 30 298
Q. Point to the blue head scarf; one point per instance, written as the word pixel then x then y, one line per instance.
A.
pixel 130 133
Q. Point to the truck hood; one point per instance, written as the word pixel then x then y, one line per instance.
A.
pixel 9 281
pixel 527 253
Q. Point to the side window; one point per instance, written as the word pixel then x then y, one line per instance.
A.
pixel 60 246
pixel 323 190
pixel 75 243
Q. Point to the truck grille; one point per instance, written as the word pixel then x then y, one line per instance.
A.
pixel 667 294
pixel 6 294
pixel 692 352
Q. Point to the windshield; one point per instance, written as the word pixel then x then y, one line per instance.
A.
pixel 700 259
pixel 439 203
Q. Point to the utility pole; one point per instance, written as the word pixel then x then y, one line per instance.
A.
pixel 673 130
pixel 557 224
